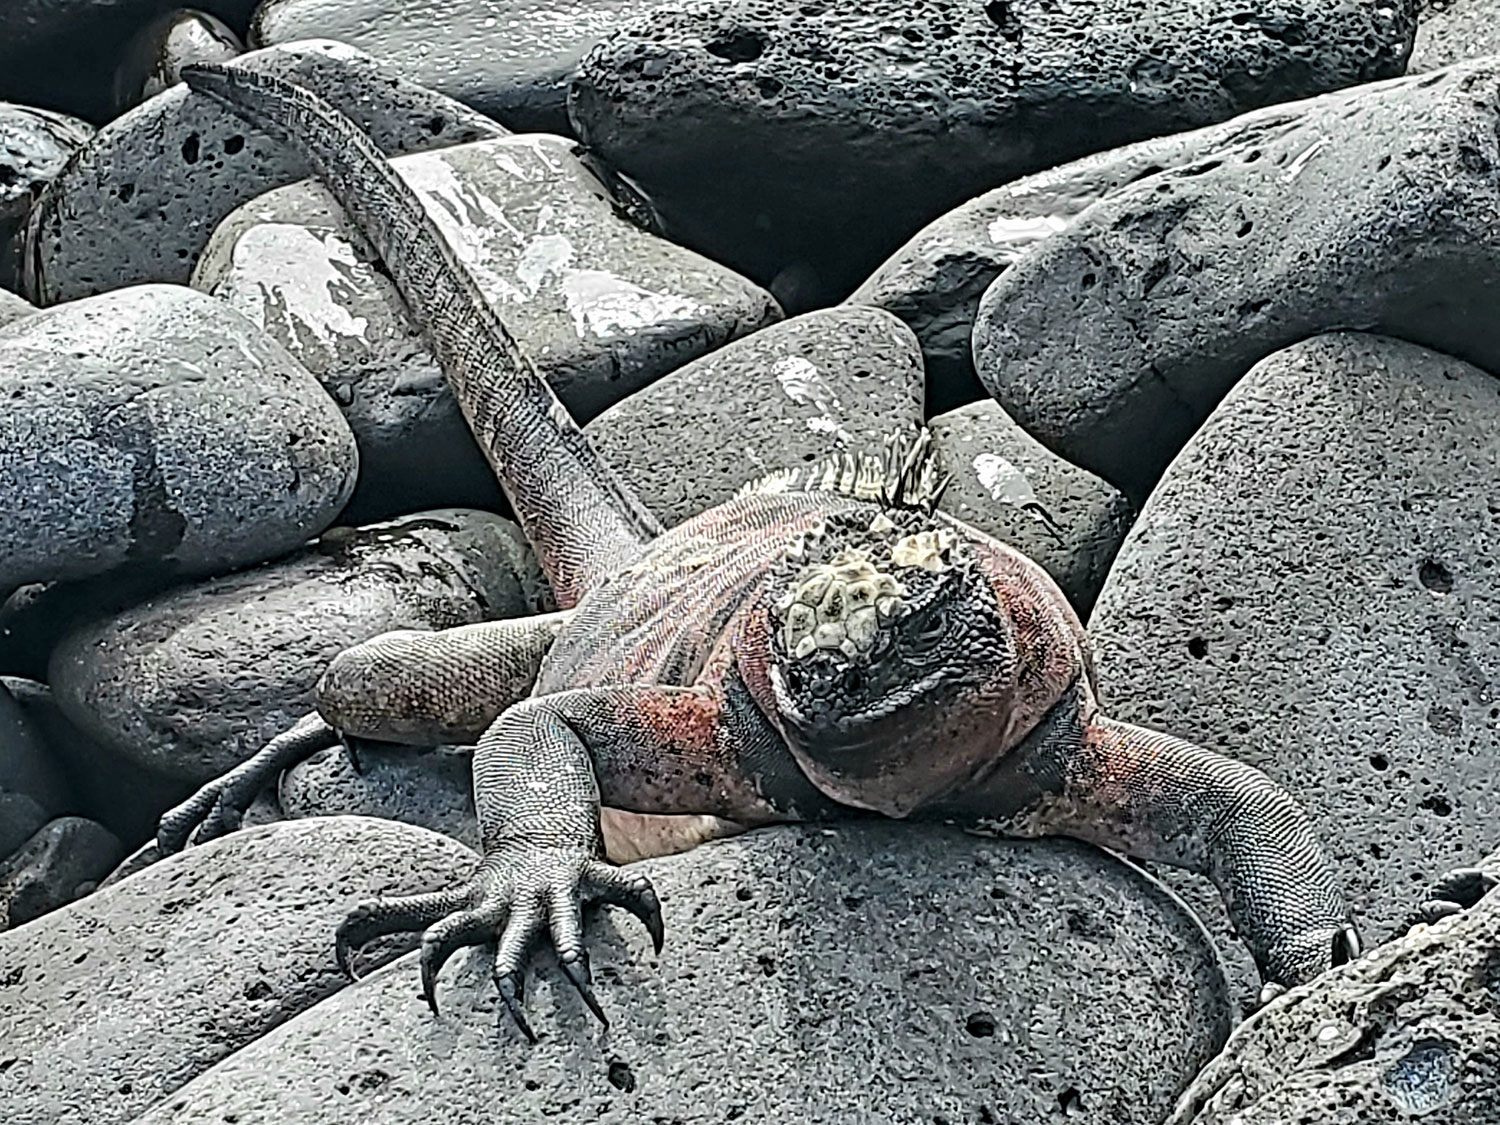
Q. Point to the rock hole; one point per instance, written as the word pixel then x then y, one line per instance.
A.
pixel 1250 308
pixel 1245 228
pixel 1380 762
pixel 257 990
pixel 1377 852
pixel 1070 1101
pixel 744 894
pixel 1001 16
pixel 126 193
pixel 853 902
pixel 981 1025
pixel 1088 281
pixel 1436 577
pixel 234 145
pixel 621 1077
pixel 1198 647
pixel 767 964
pixel 1252 156
pixel 1436 804
pixel 1385 162
pixel 769 87
pixel 738 46
pixel 437 124
pixel 190 149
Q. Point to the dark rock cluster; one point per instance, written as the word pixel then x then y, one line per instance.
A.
pixel 1200 305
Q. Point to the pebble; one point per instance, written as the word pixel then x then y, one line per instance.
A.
pixel 142 198
pixel 114 1002
pixel 1112 340
pixel 601 307
pixel 192 681
pixel 776 134
pixel 155 428
pixel 885 972
pixel 64 860
pixel 1328 609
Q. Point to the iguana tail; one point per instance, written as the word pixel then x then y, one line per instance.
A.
pixel 579 515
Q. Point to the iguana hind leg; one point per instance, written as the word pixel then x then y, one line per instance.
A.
pixel 409 686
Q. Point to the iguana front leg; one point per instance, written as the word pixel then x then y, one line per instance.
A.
pixel 423 688
pixel 540 773
pixel 1156 797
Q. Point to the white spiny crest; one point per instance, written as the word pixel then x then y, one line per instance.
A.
pixel 904 475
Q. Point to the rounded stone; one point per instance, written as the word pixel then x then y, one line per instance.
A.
pixel 33 786
pixel 1452 31
pixel 1112 340
pixel 880 972
pixel 1313 588
pixel 151 61
pixel 786 134
pixel 34 146
pixel 61 862
pixel 113 1002
pixel 194 680
pixel 790 394
pixel 141 199
pixel 156 427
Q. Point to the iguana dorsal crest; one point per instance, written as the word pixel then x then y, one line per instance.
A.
pixel 904 475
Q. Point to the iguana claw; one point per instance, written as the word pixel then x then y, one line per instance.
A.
pixel 1454 892
pixel 512 989
pixel 577 970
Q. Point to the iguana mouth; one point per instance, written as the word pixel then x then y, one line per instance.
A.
pixel 846 732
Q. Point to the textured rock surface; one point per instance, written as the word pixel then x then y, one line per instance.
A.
pixel 1112 340
pixel 1006 483
pixel 1328 606
pixel 144 195
pixel 34 146
pixel 1411 1032
pixel 803 389
pixel 889 972
pixel 935 281
pixel 192 681
pixel 152 59
pixel 106 787
pixel 33 787
pixel 601 307
pixel 154 427
pixel 114 1002
pixel 511 59
pixel 430 787
pixel 772 133
pixel 13 307
pixel 1453 30
pixel 62 861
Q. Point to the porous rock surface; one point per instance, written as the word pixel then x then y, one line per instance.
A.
pixel 1451 31
pixel 601 307
pixel 192 681
pixel 1112 340
pixel 13 307
pixel 824 382
pixel 934 282
pixel 112 1003
pixel 1409 1032
pixel 34 146
pixel 776 132
pixel 511 59
pixel 154 427
pixel 143 196
pixel 1006 483
pixel 1313 588
pixel 63 860
pixel 881 972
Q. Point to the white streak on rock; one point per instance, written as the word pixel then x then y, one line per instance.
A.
pixel 302 272
pixel 1003 480
pixel 804 384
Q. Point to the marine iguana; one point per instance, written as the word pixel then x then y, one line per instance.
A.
pixel 827 643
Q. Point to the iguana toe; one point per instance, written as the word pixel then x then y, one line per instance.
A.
pixel 444 938
pixel 512 989
pixel 629 890
pixel 1452 893
pixel 577 970
pixel 378 917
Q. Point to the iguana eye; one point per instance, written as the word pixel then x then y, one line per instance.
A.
pixel 927 631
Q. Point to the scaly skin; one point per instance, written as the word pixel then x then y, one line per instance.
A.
pixel 824 643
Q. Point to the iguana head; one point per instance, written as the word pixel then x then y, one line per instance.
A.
pixel 887 647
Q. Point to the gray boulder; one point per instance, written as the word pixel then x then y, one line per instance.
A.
pixel 33 787
pixel 1112 340
pixel 194 680
pixel 837 379
pixel 600 306
pixel 115 1001
pixel 13 307
pixel 1451 31
pixel 935 281
pixel 511 60
pixel 1312 588
pixel 151 61
pixel 141 199
pixel 153 427
pixel 1007 484
pixel 64 860
pixel 1409 1032
pixel 884 972
pixel 34 146
pixel 780 133
pixel 430 787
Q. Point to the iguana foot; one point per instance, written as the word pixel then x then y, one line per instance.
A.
pixel 1454 892
pixel 218 808
pixel 519 893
